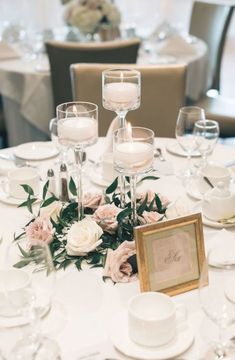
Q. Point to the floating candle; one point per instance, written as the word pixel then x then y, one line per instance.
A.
pixel 77 130
pixel 119 96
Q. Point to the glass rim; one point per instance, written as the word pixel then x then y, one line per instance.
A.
pixel 128 70
pixel 207 123
pixel 76 103
pixel 191 109
pixel 115 133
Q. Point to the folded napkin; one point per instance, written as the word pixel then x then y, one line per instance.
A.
pixel 176 45
pixel 7 52
pixel 222 244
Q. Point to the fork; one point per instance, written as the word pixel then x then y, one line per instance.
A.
pixel 159 154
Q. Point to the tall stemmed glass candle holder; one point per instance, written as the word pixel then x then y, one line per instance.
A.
pixel 133 150
pixel 121 93
pixel 78 128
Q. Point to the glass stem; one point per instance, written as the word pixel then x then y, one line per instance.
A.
pixel 189 165
pixel 220 350
pixel 121 180
pixel 133 198
pixel 78 152
pixel 122 119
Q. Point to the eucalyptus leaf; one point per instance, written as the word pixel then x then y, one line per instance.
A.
pixel 72 187
pixel 150 177
pixel 111 188
pixel 48 201
pixel 142 207
pixel 27 189
pixel 45 189
pixel 22 263
pixel 158 202
pixel 123 214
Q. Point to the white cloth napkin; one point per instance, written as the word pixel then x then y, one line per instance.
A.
pixel 7 52
pixel 176 45
pixel 221 243
pixel 109 136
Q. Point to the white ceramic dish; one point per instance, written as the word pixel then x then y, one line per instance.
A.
pixel 120 339
pixel 193 191
pixel 208 222
pixel 174 148
pixel 36 151
pixel 9 200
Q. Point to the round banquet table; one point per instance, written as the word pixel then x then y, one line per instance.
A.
pixel 83 305
pixel 27 92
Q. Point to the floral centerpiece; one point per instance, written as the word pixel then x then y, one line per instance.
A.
pixel 90 16
pixel 104 238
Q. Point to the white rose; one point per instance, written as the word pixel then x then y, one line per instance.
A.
pixel 52 211
pixel 83 237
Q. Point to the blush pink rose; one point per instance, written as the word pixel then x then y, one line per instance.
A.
pixel 40 230
pixel 151 195
pixel 93 200
pixel 106 217
pixel 149 217
pixel 116 266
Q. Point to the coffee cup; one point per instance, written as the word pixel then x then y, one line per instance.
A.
pixel 215 174
pixel 15 284
pixel 153 319
pixel 108 171
pixel 21 176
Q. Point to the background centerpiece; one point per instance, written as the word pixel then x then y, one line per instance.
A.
pixel 92 16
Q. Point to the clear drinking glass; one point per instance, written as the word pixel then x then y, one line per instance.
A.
pixel 206 134
pixel 217 298
pixel 29 286
pixel 185 136
pixel 78 128
pixel 133 151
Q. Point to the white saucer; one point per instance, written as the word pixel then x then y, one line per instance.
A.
pixel 7 199
pixel 96 178
pixel 193 191
pixel 120 339
pixel 175 148
pixel 208 222
pixel 36 151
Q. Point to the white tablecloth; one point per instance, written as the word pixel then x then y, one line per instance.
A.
pixel 28 100
pixel 84 304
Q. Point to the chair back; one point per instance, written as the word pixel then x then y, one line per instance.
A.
pixel 162 94
pixel 210 23
pixel 63 54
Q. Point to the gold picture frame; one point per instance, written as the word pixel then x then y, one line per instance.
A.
pixel 170 254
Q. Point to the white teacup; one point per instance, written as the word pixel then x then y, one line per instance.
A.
pixel 21 176
pixel 215 174
pixel 108 171
pixel 152 319
pixel 13 292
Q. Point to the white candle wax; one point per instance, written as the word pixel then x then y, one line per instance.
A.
pixel 77 129
pixel 123 95
pixel 134 155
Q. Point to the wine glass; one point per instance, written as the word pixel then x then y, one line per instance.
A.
pixel 121 91
pixel 133 151
pixel 217 298
pixel 206 133
pixel 78 128
pixel 185 136
pixel 29 284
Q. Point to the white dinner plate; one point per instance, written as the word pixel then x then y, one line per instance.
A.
pixel 175 148
pixel 120 339
pixel 208 222
pixel 36 150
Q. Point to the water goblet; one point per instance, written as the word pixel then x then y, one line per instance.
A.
pixel 217 298
pixel 133 155
pixel 29 280
pixel 121 93
pixel 185 136
pixel 206 134
pixel 78 128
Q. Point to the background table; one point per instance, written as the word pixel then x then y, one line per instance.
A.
pixel 84 305
pixel 28 99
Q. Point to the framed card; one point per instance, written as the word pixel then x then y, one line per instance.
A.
pixel 170 254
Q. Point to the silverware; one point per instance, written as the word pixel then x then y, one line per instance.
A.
pixel 159 154
pixel 208 181
pixel 227 221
